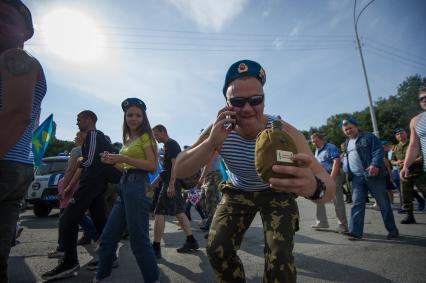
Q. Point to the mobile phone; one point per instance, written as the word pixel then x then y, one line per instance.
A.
pixel 229 125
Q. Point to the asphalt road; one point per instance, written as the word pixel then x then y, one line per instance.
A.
pixel 321 256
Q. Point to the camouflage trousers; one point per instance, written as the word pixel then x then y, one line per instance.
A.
pixel 233 217
pixel 407 189
pixel 210 193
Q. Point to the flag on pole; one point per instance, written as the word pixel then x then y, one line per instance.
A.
pixel 40 139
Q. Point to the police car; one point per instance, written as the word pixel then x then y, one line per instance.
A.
pixel 43 191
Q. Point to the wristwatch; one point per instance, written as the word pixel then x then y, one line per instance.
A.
pixel 319 191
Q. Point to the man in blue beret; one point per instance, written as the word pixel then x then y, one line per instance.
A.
pixel 364 153
pixel 22 89
pixel 233 135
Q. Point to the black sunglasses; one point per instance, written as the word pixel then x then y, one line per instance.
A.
pixel 241 101
pixel 422 98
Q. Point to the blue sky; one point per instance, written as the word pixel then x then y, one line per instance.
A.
pixel 174 54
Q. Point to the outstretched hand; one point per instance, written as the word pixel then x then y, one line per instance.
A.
pixel 302 183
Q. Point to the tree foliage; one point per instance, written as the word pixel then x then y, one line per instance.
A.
pixel 58 146
pixel 394 111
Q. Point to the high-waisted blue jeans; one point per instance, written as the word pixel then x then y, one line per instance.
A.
pixel 132 207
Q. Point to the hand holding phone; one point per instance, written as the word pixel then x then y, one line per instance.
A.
pixel 230 125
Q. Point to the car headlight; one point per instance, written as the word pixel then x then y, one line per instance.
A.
pixel 35 186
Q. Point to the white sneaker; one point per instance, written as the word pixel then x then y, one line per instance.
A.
pixel 342 229
pixel 320 225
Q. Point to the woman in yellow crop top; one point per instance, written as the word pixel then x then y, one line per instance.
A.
pixel 137 157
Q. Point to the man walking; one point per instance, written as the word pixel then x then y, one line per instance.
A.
pixel 89 196
pixel 364 153
pixel 170 201
pixel 22 89
pixel 415 176
pixel 328 156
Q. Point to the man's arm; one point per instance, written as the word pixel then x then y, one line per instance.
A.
pixel 206 170
pixel 413 149
pixel 335 168
pixel 171 187
pixel 377 152
pixel 199 154
pixel 19 73
pixel 90 149
pixel 414 145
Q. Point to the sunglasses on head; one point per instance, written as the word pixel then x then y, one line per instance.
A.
pixel 422 98
pixel 241 101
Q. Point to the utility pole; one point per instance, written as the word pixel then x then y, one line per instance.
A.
pixel 372 113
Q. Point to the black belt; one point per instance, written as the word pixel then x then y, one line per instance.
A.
pixel 135 171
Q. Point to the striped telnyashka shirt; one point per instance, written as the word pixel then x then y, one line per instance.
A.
pixel 22 151
pixel 421 132
pixel 238 156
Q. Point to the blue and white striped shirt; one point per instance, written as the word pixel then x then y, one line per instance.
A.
pixel 421 132
pixel 238 156
pixel 22 151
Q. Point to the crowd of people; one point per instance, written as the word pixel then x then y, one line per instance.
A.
pixel 226 190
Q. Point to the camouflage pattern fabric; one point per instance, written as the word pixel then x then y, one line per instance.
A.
pixel 210 193
pixel 407 189
pixel 233 217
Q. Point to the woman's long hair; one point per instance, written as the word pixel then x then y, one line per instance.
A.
pixel 144 128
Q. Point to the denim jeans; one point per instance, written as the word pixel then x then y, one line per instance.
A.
pixel 132 207
pixel 15 177
pixel 377 186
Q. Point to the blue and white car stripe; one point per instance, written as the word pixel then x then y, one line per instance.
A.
pixel 54 180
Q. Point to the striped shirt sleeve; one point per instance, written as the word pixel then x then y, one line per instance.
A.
pixel 90 149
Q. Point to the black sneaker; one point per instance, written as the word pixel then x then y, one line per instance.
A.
pixel 392 236
pixel 93 264
pixel 188 246
pixel 409 219
pixel 157 252
pixel 63 270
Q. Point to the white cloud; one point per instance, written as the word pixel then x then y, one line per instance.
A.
pixel 211 14
pixel 296 29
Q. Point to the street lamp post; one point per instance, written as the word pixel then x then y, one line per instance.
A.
pixel 372 114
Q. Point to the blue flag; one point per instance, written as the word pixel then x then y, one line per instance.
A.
pixel 154 175
pixel 41 138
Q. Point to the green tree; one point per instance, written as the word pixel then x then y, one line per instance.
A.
pixel 394 111
pixel 58 146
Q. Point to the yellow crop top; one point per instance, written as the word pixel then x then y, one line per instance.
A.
pixel 136 149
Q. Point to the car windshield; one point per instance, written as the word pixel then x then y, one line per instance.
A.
pixel 51 167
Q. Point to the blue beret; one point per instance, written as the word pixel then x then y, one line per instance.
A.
pixel 348 120
pixel 132 102
pixel 244 68
pixel 25 13
pixel 385 142
pixel 397 130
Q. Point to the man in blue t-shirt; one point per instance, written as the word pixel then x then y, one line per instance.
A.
pixel 328 156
